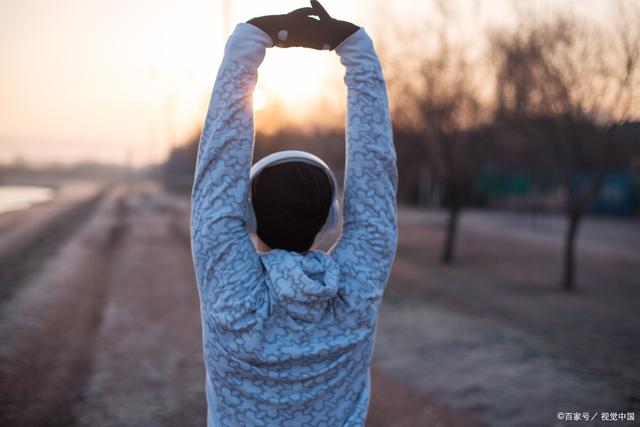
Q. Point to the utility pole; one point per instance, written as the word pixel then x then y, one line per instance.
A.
pixel 170 118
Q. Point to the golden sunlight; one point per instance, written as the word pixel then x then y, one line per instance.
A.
pixel 136 86
pixel 259 99
pixel 299 78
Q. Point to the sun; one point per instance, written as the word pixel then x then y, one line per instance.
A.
pixel 259 99
pixel 295 77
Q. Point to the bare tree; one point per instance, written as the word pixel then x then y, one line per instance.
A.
pixel 438 96
pixel 568 84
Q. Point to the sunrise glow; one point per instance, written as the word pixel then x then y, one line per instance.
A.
pixel 259 99
pixel 125 85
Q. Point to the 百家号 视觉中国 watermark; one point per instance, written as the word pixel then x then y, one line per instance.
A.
pixel 596 416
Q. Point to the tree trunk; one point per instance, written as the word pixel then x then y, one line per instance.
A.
pixel 448 252
pixel 576 211
pixel 568 277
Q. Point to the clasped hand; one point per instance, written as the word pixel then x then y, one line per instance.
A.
pixel 300 29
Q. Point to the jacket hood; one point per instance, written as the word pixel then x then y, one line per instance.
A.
pixel 304 285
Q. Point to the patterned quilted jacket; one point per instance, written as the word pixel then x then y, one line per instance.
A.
pixel 288 338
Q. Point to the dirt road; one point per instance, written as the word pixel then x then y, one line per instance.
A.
pixel 29 236
pixel 107 333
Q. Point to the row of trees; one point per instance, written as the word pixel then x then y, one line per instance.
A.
pixel 563 91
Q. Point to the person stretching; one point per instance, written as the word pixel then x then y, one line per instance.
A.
pixel 288 330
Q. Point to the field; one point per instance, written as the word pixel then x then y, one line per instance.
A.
pixel 102 327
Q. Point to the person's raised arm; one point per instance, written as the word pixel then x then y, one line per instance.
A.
pixel 220 244
pixel 368 242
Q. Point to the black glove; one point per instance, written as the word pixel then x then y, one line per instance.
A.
pixel 298 29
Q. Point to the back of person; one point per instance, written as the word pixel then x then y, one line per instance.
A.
pixel 288 335
pixel 305 352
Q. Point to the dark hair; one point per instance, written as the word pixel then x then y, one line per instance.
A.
pixel 291 201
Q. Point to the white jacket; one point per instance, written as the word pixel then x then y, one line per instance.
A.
pixel 288 338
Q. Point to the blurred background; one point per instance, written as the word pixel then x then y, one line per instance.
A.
pixel 514 298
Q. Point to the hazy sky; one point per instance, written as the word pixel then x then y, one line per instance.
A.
pixel 117 80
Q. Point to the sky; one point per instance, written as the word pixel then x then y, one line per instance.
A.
pixel 124 81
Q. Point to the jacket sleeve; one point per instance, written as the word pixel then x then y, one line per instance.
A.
pixel 226 264
pixel 367 246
